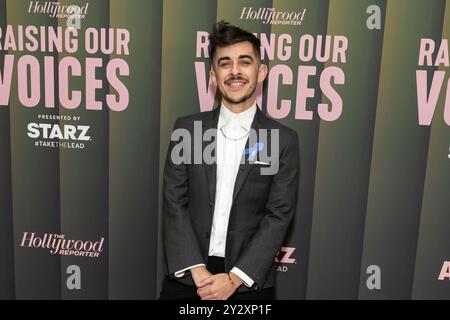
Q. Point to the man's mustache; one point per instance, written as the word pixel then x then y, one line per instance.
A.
pixel 236 78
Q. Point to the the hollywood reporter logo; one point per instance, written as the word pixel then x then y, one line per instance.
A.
pixel 273 16
pixel 54 9
pixel 57 244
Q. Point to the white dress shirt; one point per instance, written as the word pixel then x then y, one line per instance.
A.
pixel 232 134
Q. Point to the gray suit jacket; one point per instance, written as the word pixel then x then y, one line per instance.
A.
pixel 263 206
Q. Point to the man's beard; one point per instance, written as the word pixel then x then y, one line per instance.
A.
pixel 240 100
pixel 237 101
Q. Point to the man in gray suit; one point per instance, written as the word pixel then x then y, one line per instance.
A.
pixel 224 221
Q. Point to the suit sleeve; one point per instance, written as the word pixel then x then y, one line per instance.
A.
pixel 180 242
pixel 258 256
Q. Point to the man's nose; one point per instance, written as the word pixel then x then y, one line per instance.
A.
pixel 235 70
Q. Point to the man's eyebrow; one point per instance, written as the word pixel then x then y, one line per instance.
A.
pixel 223 58
pixel 246 56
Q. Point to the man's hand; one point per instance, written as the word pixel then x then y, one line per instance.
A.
pixel 218 287
pixel 199 274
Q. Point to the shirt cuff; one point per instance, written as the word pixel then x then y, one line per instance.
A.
pixel 247 280
pixel 181 273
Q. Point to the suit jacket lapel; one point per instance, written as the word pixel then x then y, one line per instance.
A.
pixel 211 169
pixel 245 167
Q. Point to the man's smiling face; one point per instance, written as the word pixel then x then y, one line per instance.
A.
pixel 236 73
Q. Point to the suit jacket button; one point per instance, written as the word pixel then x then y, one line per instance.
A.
pixel 207 235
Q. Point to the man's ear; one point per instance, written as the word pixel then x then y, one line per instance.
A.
pixel 262 73
pixel 212 76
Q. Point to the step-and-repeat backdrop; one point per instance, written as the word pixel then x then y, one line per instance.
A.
pixel 89 91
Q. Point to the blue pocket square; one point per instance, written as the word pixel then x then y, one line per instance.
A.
pixel 254 150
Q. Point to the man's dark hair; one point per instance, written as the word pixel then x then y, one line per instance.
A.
pixel 225 34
